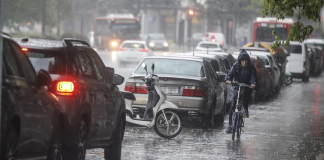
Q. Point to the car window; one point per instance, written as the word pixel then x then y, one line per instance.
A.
pixel 85 64
pixel 227 65
pixel 265 60
pixel 173 66
pixel 261 64
pixel 26 66
pixel 203 45
pixel 222 66
pixel 98 66
pixel 214 64
pixel 53 61
pixel 270 59
pixel 133 45
pixel 10 61
pixel 212 72
pixel 294 49
pixel 231 59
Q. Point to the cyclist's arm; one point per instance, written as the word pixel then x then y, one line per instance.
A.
pixel 231 73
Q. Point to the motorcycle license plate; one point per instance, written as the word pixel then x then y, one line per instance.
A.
pixel 170 90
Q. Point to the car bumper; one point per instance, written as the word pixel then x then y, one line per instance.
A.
pixel 183 102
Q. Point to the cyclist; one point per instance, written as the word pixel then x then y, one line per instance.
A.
pixel 242 71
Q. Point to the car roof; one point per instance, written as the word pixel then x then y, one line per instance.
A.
pixel 254 48
pixel 39 43
pixel 207 42
pixel 320 41
pixel 193 58
pixel 197 55
pixel 254 53
pixel 134 41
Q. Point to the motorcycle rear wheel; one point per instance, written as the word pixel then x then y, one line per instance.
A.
pixel 288 80
pixel 168 126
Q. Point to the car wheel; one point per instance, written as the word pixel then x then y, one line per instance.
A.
pixel 114 150
pixel 77 151
pixel 56 145
pixel 10 144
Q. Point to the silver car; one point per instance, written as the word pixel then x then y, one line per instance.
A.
pixel 188 82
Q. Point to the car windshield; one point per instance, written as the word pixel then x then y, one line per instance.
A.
pixel 157 37
pixel 133 45
pixel 52 61
pixel 173 66
pixel 264 59
pixel 205 45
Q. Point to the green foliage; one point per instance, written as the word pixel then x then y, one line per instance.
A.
pixel 310 9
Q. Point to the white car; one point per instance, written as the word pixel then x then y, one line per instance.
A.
pixel 209 46
pixel 298 62
pixel 216 37
pixel 133 52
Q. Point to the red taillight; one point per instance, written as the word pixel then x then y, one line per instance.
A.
pixel 24 49
pixel 130 87
pixel 54 96
pixel 259 24
pixel 143 50
pixel 136 88
pixel 65 88
pixel 194 91
pixel 223 43
pixel 141 88
pixel 121 49
pixel 285 26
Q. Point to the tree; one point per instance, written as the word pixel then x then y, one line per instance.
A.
pixel 310 9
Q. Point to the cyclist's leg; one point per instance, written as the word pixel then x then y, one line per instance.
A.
pixel 246 99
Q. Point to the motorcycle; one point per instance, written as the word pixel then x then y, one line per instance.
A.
pixel 287 79
pixel 159 113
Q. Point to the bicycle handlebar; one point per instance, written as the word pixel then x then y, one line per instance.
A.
pixel 242 84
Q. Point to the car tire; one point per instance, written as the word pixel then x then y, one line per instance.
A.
pixel 113 151
pixel 11 143
pixel 78 150
pixel 56 145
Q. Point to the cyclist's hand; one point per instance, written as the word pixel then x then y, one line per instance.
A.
pixel 228 82
pixel 252 85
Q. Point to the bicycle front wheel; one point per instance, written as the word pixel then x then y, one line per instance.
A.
pixel 238 128
pixel 234 123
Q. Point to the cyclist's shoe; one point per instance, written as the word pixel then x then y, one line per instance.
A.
pixel 246 114
pixel 229 129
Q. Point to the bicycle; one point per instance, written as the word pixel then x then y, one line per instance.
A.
pixel 238 118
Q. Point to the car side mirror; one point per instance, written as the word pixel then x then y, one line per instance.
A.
pixel 117 79
pixel 44 78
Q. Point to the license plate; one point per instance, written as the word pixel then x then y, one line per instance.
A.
pixel 170 90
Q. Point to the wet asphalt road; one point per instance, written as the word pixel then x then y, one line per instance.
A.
pixel 288 126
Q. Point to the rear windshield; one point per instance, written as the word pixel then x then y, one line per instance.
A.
pixel 295 49
pixel 133 45
pixel 51 61
pixel 174 67
pixel 265 60
pixel 209 46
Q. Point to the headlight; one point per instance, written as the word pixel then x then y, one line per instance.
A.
pixel 165 44
pixel 152 44
pixel 114 43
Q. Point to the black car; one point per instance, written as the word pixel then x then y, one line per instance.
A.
pixel 94 108
pixel 30 114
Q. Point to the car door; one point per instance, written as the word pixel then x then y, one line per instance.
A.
pixel 93 94
pixel 106 100
pixel 30 100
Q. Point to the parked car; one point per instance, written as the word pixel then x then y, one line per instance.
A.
pixel 189 82
pixel 216 37
pixel 315 61
pixel 94 108
pixel 316 43
pixel 208 47
pixel 157 41
pixel 30 115
pixel 133 52
pixel 298 62
pixel 263 87
pixel 218 66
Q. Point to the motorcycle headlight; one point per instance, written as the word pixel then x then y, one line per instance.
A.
pixel 114 43
pixel 152 44
pixel 165 44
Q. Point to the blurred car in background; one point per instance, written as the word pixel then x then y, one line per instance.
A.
pixel 157 41
pixel 133 52
pixel 315 60
pixel 30 115
pixel 216 37
pixel 188 82
pixel 208 47
pixel 316 43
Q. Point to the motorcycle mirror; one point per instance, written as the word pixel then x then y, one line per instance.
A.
pixel 153 66
pixel 144 66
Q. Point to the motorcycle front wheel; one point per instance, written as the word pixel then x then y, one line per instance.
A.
pixel 288 80
pixel 168 125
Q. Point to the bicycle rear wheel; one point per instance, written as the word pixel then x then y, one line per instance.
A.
pixel 234 123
